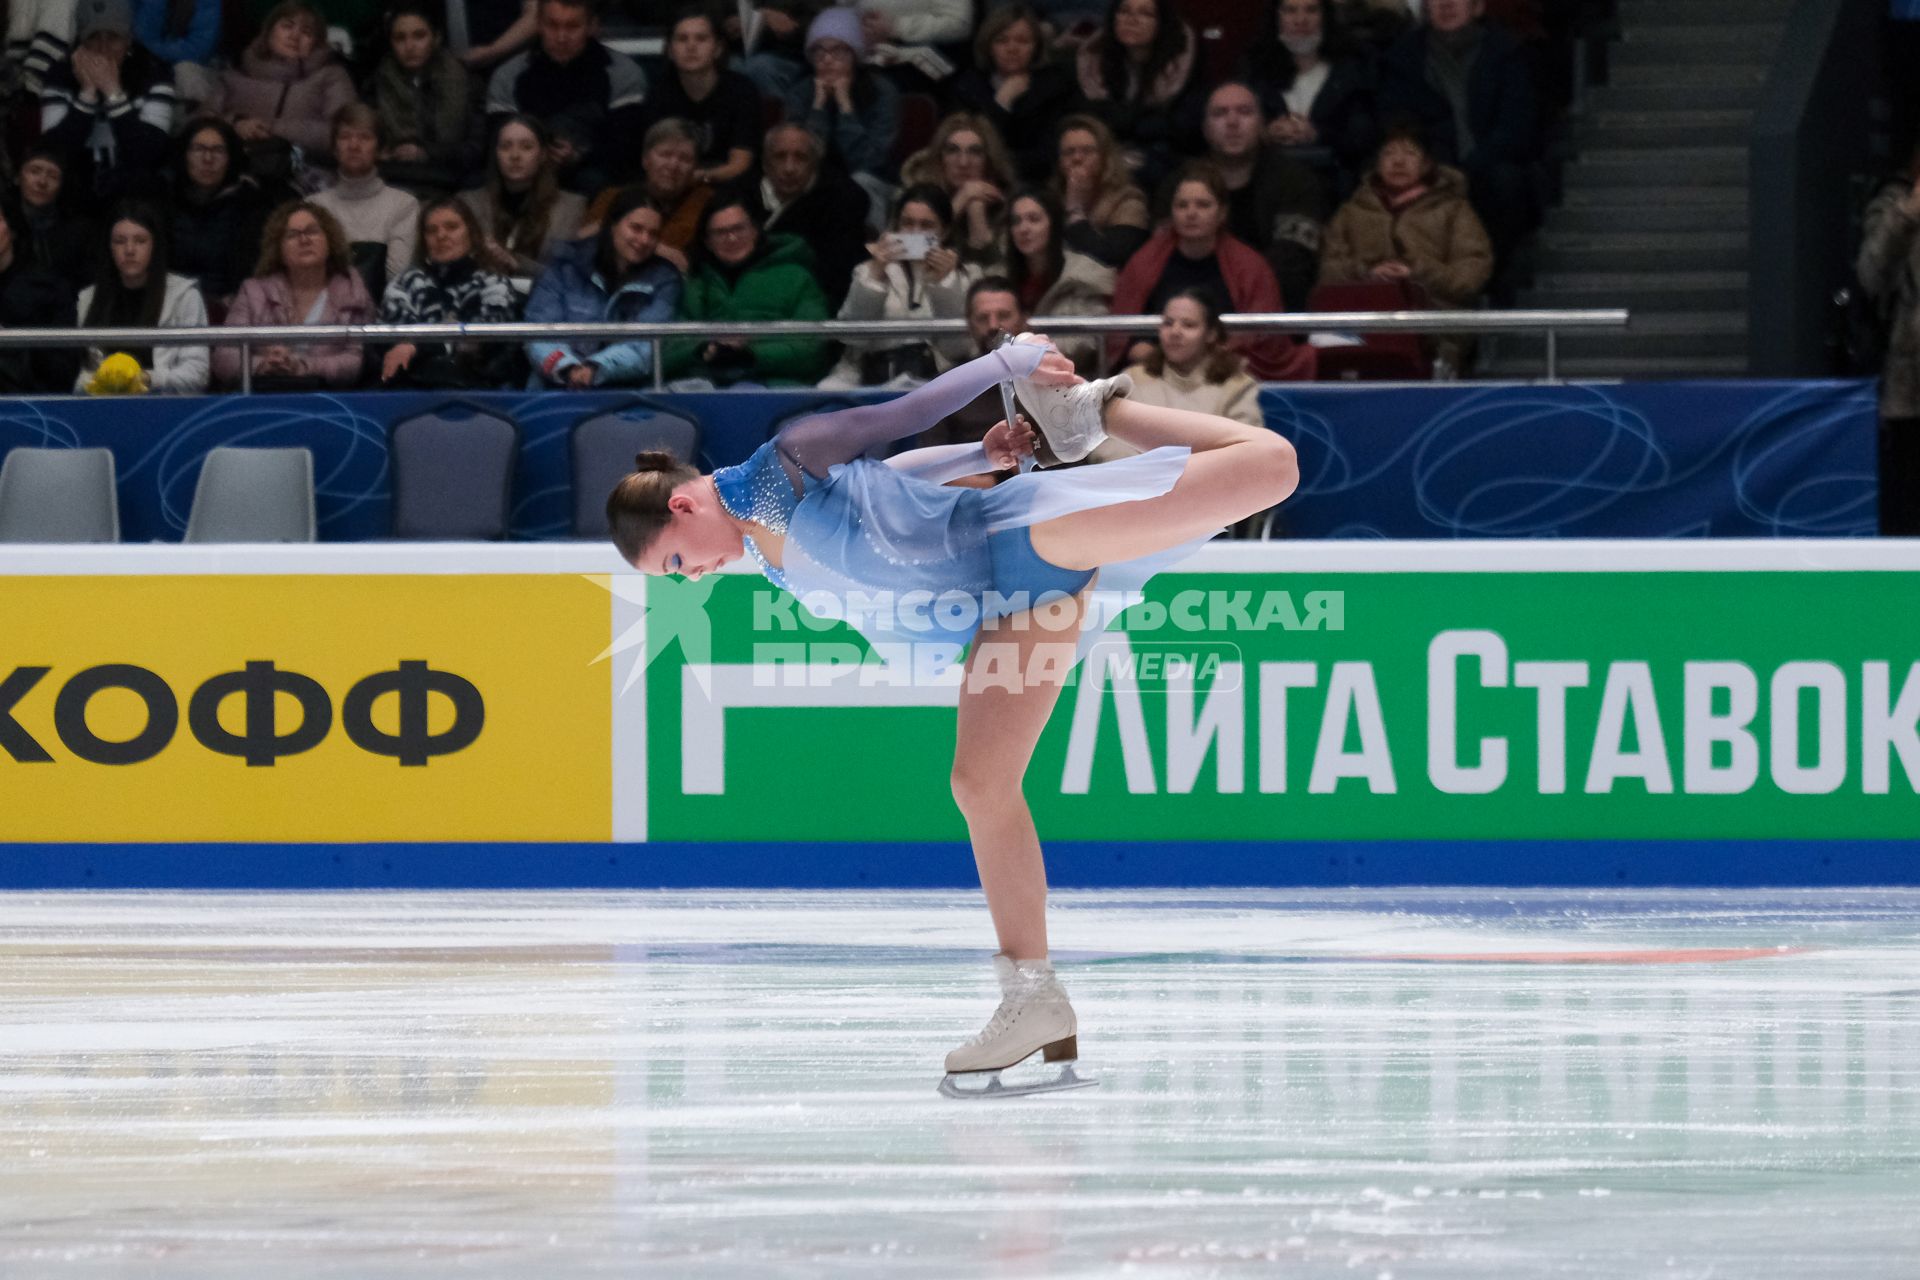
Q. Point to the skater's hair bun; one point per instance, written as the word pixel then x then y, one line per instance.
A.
pixel 658 460
pixel 637 507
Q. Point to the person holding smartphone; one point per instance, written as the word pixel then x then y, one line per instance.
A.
pixel 911 273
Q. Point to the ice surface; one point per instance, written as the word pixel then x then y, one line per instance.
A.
pixel 737 1084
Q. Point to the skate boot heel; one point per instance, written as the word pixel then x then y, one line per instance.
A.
pixel 1067 1050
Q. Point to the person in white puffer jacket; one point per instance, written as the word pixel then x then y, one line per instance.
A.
pixel 135 290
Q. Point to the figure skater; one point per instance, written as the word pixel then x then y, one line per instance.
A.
pixel 825 521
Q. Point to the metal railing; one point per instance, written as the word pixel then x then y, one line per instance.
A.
pixel 246 337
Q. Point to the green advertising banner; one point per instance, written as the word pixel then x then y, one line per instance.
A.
pixel 1623 691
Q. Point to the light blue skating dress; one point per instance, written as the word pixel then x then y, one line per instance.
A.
pixel 908 559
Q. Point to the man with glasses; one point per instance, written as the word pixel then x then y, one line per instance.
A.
pixel 793 194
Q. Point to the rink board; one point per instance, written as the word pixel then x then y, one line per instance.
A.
pixel 1591 712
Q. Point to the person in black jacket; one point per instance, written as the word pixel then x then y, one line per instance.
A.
pixel 1316 88
pixel 1014 88
pixel 218 210
pixel 1470 87
pixel 109 106
pixel 51 230
pixel 1275 203
pixel 590 97
pixel 34 298
pixel 796 194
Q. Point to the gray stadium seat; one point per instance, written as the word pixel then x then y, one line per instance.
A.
pixel 603 450
pixel 254 495
pixel 453 473
pixel 58 495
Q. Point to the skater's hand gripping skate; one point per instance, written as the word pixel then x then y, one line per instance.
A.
pixel 1007 446
pixel 1055 369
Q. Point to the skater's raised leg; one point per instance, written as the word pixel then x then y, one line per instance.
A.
pixel 1235 471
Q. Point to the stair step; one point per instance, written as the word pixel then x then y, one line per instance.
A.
pixel 1643 251
pixel 1664 129
pixel 1718 75
pixel 1586 217
pixel 1592 196
pixel 1676 95
pixel 1641 15
pixel 1663 167
pixel 1640 291
pixel 1688 41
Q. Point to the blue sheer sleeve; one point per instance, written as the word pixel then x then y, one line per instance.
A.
pixel 813 446
pixel 940 463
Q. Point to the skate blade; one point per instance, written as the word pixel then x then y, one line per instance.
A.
pixel 989 1084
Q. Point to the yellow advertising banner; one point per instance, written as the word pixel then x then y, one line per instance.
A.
pixel 315 707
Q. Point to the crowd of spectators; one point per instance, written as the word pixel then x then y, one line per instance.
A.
pixel 168 162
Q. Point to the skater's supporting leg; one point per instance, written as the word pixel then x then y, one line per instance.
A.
pixel 1013 679
pixel 1235 471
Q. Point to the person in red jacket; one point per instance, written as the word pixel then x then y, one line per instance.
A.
pixel 1196 251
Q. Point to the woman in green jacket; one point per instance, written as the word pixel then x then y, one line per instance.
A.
pixel 743 274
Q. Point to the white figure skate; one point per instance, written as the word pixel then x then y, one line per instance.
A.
pixel 1034 1017
pixel 1069 417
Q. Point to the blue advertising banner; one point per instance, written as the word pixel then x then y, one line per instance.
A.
pixel 1657 460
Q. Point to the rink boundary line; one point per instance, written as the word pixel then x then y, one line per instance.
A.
pixel 1512 864
pixel 1609 555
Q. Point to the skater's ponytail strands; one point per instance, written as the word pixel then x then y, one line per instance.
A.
pixel 637 507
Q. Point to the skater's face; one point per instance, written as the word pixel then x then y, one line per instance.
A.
pixel 1030 226
pixel 412 40
pixel 1184 333
pixel 699 536
pixel 517 152
pixel 1196 214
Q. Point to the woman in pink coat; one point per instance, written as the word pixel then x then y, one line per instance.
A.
pixel 287 86
pixel 304 277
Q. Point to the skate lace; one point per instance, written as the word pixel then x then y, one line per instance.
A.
pixel 1002 1018
pixel 1011 1005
